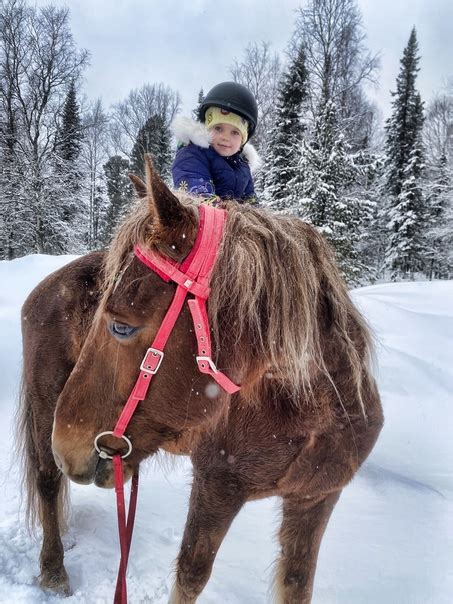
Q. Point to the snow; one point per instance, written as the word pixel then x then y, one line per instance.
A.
pixel 389 539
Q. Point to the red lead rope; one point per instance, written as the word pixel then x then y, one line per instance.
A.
pixel 191 277
pixel 125 529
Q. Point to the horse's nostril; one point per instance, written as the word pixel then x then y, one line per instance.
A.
pixel 106 452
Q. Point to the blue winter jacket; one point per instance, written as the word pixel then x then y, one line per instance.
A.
pixel 200 170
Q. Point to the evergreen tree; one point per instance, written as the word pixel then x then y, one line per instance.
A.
pixel 287 133
pixel 119 192
pixel 70 136
pixel 404 158
pixel 196 111
pixel 439 235
pixel 331 191
pixel 373 242
pixel 65 182
pixel 153 138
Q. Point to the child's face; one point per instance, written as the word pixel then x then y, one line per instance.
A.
pixel 225 139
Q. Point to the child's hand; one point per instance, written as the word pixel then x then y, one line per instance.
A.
pixel 213 200
pixel 253 201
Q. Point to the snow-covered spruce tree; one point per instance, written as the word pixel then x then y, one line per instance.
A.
pixel 330 191
pixel 70 135
pixel 153 138
pixel 68 188
pixel 373 241
pixel 286 134
pixel 439 234
pixel 119 192
pixel 406 211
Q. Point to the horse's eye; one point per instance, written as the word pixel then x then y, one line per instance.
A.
pixel 121 330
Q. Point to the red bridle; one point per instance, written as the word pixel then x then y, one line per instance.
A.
pixel 192 277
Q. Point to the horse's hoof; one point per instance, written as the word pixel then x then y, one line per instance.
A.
pixel 57 583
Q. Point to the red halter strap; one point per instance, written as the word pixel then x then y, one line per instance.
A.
pixel 192 277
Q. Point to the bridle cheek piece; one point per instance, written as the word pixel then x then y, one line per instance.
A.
pixel 192 276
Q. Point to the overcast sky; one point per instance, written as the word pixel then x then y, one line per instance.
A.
pixel 189 44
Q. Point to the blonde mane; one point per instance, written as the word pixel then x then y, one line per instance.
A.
pixel 279 309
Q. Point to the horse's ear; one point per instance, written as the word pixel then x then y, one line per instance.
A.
pixel 139 185
pixel 167 206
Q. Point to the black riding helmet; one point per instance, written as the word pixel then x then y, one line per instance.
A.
pixel 232 97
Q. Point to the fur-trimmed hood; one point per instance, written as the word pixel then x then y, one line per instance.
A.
pixel 187 131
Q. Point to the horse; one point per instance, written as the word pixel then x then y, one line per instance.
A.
pixel 283 328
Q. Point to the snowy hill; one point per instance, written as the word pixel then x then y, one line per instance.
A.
pixel 390 537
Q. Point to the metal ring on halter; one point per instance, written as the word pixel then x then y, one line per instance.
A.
pixel 104 454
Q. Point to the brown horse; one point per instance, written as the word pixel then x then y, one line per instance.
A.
pixel 283 326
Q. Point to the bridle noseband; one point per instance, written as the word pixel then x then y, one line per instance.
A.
pixel 192 276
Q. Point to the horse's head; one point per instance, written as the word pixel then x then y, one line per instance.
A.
pixel 133 306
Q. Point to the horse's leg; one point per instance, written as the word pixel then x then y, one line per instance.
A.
pixel 215 500
pixel 53 574
pixel 303 524
pixel 45 487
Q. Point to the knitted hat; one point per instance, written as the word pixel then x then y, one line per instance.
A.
pixel 218 115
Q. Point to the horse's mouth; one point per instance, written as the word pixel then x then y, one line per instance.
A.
pixel 97 470
pixel 81 478
pixel 104 476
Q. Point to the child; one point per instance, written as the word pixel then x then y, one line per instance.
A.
pixel 213 159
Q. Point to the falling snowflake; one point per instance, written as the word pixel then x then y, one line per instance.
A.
pixel 212 390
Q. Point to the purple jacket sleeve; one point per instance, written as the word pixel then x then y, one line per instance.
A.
pixel 191 171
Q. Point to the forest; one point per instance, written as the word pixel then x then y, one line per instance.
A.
pixel 380 191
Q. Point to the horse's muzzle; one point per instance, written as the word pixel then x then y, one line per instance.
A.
pixel 83 474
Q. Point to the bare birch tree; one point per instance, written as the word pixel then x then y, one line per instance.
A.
pixel 338 61
pixel 94 155
pixel 260 70
pixel 438 127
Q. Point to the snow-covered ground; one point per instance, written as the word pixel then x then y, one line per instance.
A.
pixel 389 540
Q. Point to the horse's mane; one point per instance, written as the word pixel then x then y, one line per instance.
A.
pixel 279 308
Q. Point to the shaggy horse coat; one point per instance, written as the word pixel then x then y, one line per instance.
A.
pixel 283 326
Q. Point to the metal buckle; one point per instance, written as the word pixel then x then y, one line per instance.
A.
pixel 210 362
pixel 155 353
pixel 103 454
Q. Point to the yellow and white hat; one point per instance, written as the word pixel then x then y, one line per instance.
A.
pixel 219 115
